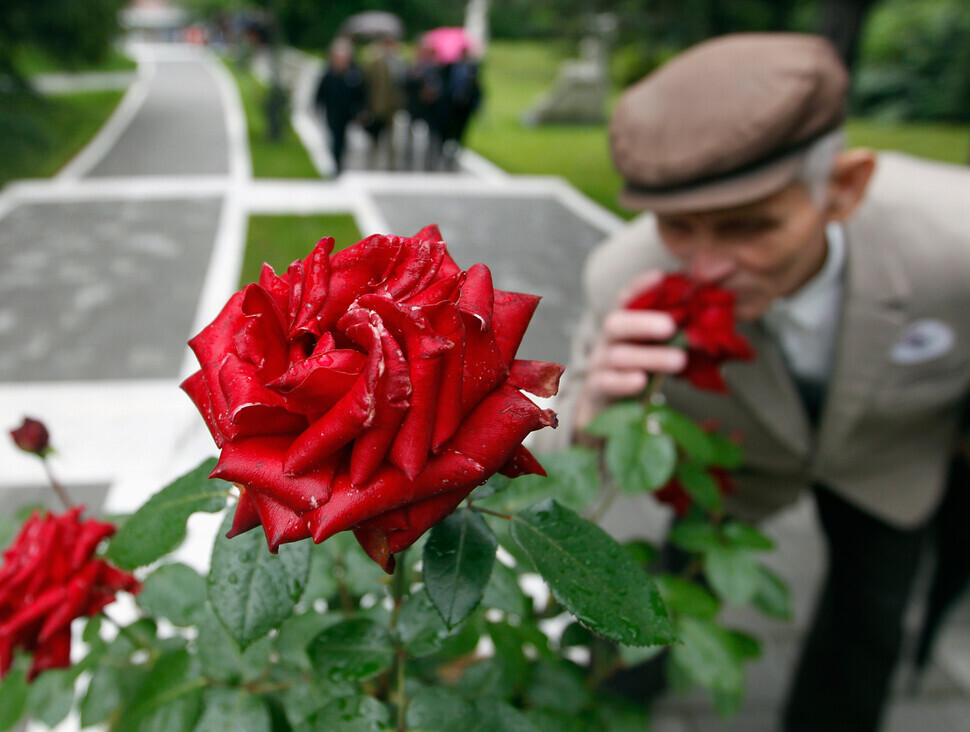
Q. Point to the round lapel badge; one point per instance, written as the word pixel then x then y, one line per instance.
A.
pixel 922 340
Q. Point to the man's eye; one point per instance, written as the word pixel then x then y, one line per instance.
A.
pixel 748 227
pixel 674 226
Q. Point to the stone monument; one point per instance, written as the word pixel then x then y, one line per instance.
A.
pixel 579 94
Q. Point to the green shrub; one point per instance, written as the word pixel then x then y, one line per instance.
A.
pixel 915 62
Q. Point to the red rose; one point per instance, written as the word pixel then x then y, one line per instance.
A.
pixel 48 578
pixel 676 496
pixel 32 436
pixel 372 390
pixel 705 314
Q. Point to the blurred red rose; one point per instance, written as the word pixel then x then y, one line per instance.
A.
pixel 372 390
pixel 676 496
pixel 48 578
pixel 705 314
pixel 32 436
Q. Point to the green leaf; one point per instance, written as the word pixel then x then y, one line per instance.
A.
pixel 158 527
pixel 683 597
pixel 510 653
pixel 352 714
pixel 688 435
pixel 297 632
pixel 700 485
pixel 558 686
pixel 744 536
pixel 488 679
pixel 440 709
pixel 420 627
pixel 772 597
pixel 643 552
pixel 458 559
pixel 695 536
pixel 490 715
pixel 708 656
pixel 13 698
pixel 251 590
pixel 572 478
pixel 726 453
pixel 308 695
pixel 218 653
pixel 170 698
pixel 111 686
pixel 640 461
pixel 503 592
pixel 617 419
pixel 576 475
pixel 354 649
pixel 233 710
pixel 51 696
pixel 175 592
pixel 550 720
pixel 594 577
pixel 733 574
pixel 495 484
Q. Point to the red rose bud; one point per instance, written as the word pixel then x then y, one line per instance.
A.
pixel 32 436
pixel 49 577
pixel 676 496
pixel 370 391
pixel 705 314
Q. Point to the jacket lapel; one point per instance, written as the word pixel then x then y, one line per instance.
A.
pixel 873 314
pixel 766 389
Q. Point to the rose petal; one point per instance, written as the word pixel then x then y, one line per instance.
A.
pixel 511 314
pixel 521 463
pixel 536 377
pixel 311 293
pixel 245 516
pixel 477 295
pixel 389 489
pixel 281 524
pixel 257 464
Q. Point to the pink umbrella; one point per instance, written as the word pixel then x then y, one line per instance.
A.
pixel 449 44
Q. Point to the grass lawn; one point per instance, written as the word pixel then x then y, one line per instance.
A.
pixel 279 240
pixel 38 135
pixel 515 73
pixel 284 159
pixel 30 61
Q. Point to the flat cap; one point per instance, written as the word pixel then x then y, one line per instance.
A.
pixel 727 122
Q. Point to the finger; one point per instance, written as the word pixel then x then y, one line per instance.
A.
pixel 611 385
pixel 629 357
pixel 638 325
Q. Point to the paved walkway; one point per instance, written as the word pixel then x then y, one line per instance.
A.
pixel 108 268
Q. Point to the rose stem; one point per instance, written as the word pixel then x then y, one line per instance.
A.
pixel 654 385
pixel 398 591
pixel 490 512
pixel 56 485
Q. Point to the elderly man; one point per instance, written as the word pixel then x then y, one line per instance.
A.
pixel 852 279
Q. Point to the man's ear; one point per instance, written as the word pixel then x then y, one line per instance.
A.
pixel 850 179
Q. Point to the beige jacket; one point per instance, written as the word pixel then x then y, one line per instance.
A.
pixel 888 428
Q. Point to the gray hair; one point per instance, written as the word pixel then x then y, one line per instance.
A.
pixel 817 165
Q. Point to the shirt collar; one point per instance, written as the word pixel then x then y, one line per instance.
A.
pixel 807 305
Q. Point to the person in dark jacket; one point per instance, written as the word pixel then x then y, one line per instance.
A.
pixel 340 96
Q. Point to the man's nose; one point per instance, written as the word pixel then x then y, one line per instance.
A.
pixel 708 264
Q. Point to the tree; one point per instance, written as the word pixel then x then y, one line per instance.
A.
pixel 70 31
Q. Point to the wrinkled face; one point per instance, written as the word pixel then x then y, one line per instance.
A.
pixel 760 251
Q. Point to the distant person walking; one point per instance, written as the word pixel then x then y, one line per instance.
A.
pixel 384 76
pixel 423 87
pixel 462 96
pixel 340 96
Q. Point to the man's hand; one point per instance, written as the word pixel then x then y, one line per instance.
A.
pixel 627 351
